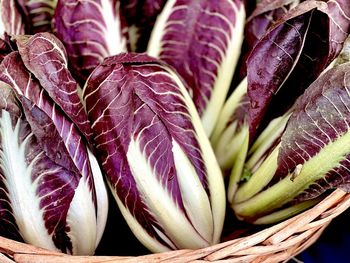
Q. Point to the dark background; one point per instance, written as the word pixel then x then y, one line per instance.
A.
pixel 334 244
pixel 118 239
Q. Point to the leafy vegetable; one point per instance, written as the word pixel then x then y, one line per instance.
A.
pixel 45 56
pixel 233 120
pixel 313 153
pixel 266 13
pixel 10 19
pixel 201 41
pixel 90 31
pixel 230 138
pixel 65 204
pixel 155 154
pixel 296 46
pixel 283 63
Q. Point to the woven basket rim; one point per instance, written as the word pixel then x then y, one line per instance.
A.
pixel 277 243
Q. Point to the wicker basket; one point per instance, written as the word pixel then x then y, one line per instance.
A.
pixel 274 244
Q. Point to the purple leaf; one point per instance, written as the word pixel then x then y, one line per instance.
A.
pixel 68 184
pixel 90 31
pixel 10 19
pixel 38 14
pixel 44 55
pixel 140 118
pixel 292 55
pixel 201 40
pixel 57 135
pixel 321 117
pixel 30 181
pixel 267 13
pixel 311 158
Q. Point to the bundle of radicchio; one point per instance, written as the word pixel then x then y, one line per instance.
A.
pixel 52 192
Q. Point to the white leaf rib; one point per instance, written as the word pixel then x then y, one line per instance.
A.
pixel 108 108
pixel 311 138
pixel 220 16
pixel 337 109
pixel 329 123
pixel 218 30
pixel 339 7
pixel 317 126
pixel 302 149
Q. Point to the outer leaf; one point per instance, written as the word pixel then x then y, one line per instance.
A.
pixel 8 226
pixel 39 14
pixel 29 179
pixel 140 16
pixel 61 141
pixel 10 19
pixel 50 210
pixel 44 55
pixel 344 55
pixel 267 13
pixel 292 54
pixel 14 73
pixel 201 41
pixel 155 154
pixel 321 117
pixel 83 227
pixel 232 125
pixel 91 31
pixel 314 152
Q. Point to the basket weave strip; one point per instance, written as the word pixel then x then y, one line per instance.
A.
pixel 64 259
pixel 345 202
pixel 4 259
pixel 294 240
pixel 285 255
pixel 10 247
pixel 246 242
pixel 277 243
pixel 307 217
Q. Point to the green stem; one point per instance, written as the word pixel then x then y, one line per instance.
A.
pixel 260 178
pixel 272 132
pixel 238 165
pixel 227 111
pixel 266 168
pixel 286 213
pixel 229 149
pixel 225 150
pixel 287 189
